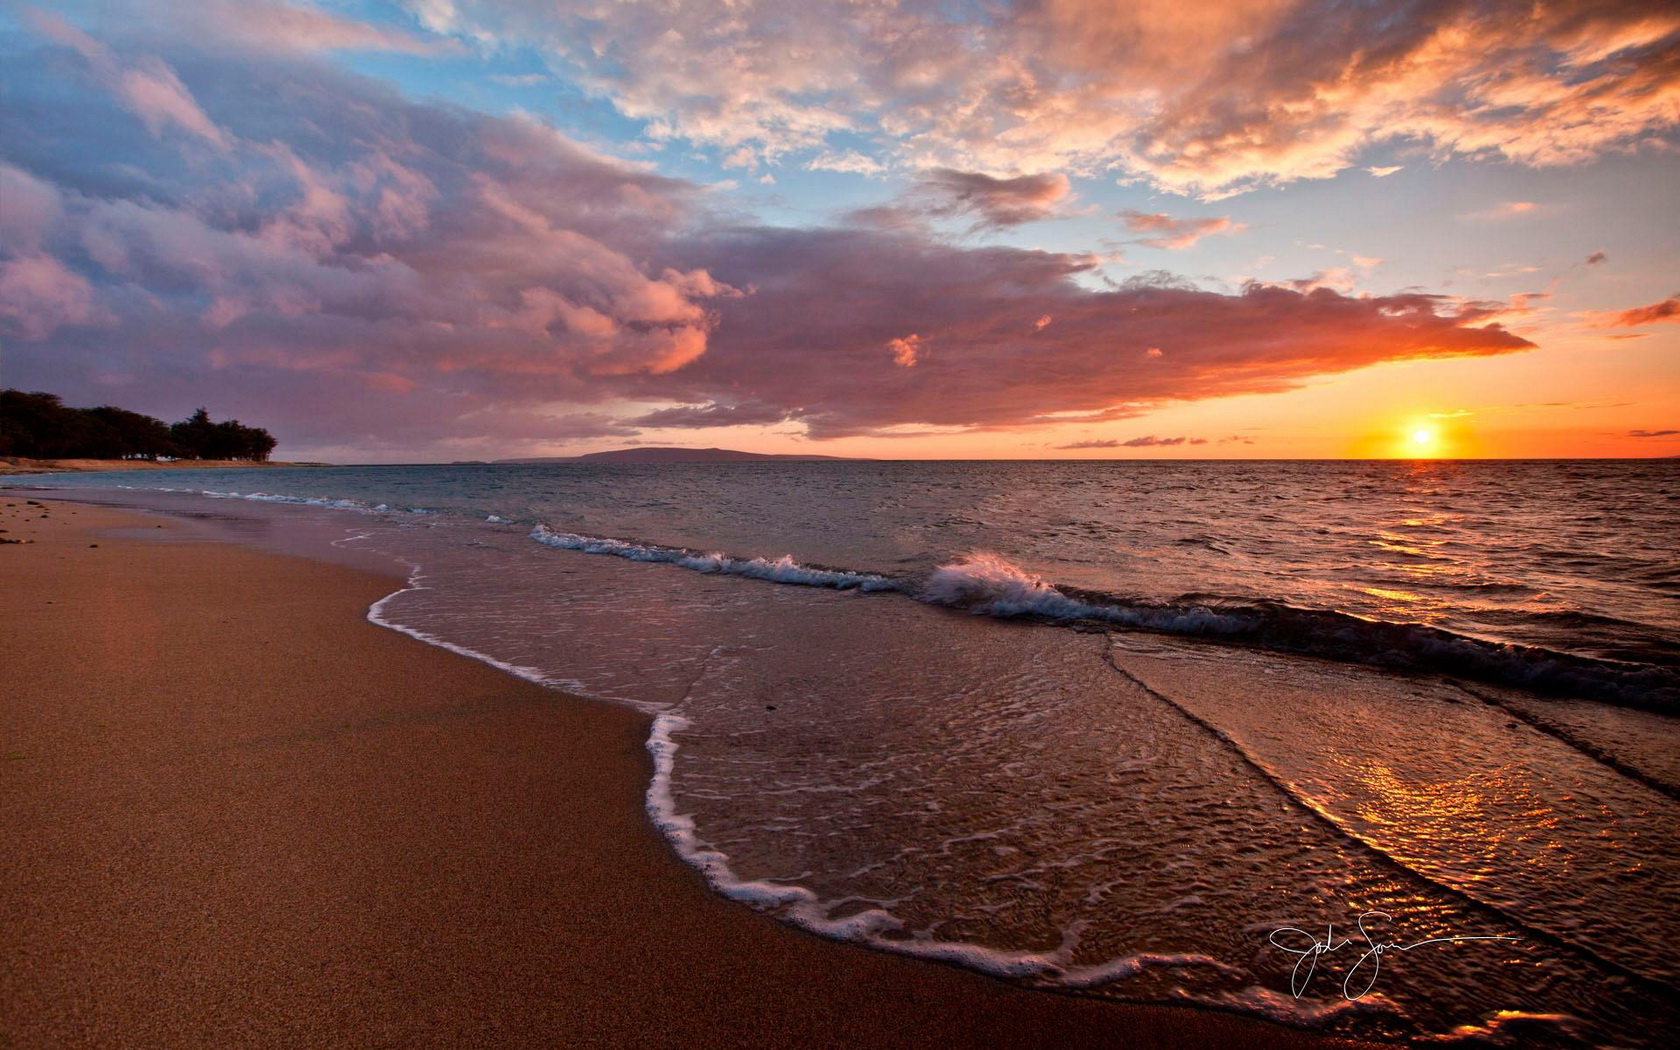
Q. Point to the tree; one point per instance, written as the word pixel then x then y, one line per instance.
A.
pixel 199 438
pixel 39 426
pixel 194 436
pixel 138 436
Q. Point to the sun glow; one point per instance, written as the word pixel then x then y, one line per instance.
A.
pixel 1422 441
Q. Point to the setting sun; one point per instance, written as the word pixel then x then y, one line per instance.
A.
pixel 1426 441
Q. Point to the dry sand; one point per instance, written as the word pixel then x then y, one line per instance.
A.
pixel 238 814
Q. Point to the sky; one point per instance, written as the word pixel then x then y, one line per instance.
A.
pixel 437 230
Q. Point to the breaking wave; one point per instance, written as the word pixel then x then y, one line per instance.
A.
pixel 776 570
pixel 988 585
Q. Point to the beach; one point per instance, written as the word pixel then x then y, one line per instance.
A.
pixel 252 818
pixel 10 465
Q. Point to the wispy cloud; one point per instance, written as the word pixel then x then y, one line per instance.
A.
pixel 1504 211
pixel 985 202
pixel 1655 313
pixel 1150 441
pixel 1164 231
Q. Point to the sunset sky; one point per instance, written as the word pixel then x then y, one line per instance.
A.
pixel 470 229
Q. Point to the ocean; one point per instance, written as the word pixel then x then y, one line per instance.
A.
pixel 1192 732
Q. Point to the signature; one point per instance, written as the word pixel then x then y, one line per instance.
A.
pixel 1363 976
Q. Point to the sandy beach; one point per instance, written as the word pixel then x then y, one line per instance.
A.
pixel 244 816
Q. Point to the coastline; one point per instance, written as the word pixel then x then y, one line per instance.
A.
pixel 13 466
pixel 256 818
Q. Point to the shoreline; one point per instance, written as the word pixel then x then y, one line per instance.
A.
pixel 257 818
pixel 15 466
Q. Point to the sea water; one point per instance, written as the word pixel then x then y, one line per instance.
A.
pixel 1177 732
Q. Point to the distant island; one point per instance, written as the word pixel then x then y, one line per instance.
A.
pixel 674 455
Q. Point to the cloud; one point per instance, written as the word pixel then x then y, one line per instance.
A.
pixel 985 201
pixel 344 241
pixel 1241 93
pixel 1596 258
pixel 807 341
pixel 1663 310
pixel 849 162
pixel 1152 441
pixel 1652 433
pixel 1383 173
pixel 1168 232
pixel 39 294
pixel 1140 442
pixel 712 415
pixel 992 201
pixel 268 24
pixel 359 269
pixel 904 350
pixel 1503 211
pixel 146 86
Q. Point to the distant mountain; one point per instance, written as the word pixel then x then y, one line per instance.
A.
pixel 674 455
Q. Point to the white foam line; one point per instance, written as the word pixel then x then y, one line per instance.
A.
pixel 376 615
pixel 801 907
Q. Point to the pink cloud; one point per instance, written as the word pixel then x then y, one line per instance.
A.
pixel 1167 232
pixel 148 86
pixel 38 295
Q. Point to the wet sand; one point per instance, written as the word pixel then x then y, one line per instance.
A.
pixel 238 814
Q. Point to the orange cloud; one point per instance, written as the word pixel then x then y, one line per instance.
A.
pixel 904 350
pixel 1663 310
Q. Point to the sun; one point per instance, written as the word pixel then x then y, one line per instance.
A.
pixel 1420 440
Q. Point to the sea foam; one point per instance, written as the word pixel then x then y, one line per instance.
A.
pixel 775 570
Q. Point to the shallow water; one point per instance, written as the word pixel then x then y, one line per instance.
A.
pixel 1210 702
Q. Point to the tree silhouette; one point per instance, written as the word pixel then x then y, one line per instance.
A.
pixel 39 426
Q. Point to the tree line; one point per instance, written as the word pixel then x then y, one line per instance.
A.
pixel 40 426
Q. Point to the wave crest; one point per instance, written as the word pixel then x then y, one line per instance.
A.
pixel 777 570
